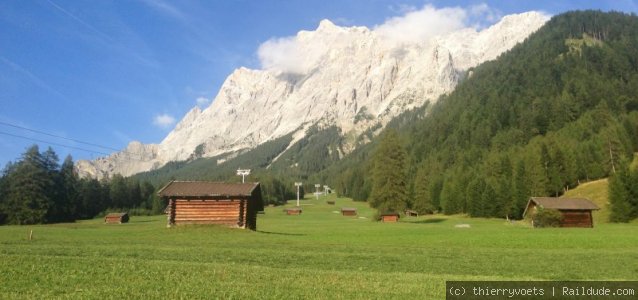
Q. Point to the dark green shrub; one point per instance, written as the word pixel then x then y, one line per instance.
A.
pixel 547 218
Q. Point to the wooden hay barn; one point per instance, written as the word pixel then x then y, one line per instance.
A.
pixel 411 213
pixel 116 218
pixel 348 211
pixel 576 211
pixel 203 202
pixel 293 211
pixel 389 218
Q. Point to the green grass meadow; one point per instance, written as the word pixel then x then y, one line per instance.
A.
pixel 319 254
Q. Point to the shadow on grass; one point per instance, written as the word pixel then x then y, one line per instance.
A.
pixel 429 221
pixel 280 233
pixel 142 221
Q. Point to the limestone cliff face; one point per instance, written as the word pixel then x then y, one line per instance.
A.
pixel 357 80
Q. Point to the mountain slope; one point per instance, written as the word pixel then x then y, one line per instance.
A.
pixel 558 108
pixel 354 80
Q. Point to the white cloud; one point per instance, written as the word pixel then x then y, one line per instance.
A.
pixel 479 9
pixel 202 101
pixel 482 15
pixel 401 8
pixel 424 24
pixel 164 120
pixel 298 54
pixel 289 55
pixel 283 54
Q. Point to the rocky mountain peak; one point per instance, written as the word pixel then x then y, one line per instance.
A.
pixel 345 76
pixel 326 25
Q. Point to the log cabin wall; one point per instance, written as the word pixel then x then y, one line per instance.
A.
pixel 576 218
pixel 253 207
pixel 390 218
pixel 208 211
pixel 118 218
pixel 349 213
pixel 575 212
pixel 201 202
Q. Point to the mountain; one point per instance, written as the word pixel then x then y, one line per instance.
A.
pixel 555 111
pixel 351 78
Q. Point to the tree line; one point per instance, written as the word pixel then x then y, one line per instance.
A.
pixel 37 189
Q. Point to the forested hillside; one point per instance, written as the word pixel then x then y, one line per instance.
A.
pixel 557 109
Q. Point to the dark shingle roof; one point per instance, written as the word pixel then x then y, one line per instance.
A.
pixel 564 203
pixel 116 215
pixel 206 188
pixel 390 214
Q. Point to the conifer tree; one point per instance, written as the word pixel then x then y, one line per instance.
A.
pixel 521 190
pixel 147 192
pixel 619 194
pixel 450 197
pixel 536 174
pixel 554 182
pixel 118 192
pixel 69 190
pixel 57 211
pixel 633 193
pixel 389 186
pixel 422 192
pixel 134 198
pixel 475 197
pixel 435 191
pixel 487 201
pixel 504 196
pixel 28 186
pixel 4 190
pixel 91 198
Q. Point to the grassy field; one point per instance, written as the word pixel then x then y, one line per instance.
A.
pixel 319 254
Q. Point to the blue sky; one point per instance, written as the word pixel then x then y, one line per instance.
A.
pixel 108 72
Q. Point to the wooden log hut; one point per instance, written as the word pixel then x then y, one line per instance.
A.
pixel 203 202
pixel 348 211
pixel 116 218
pixel 576 212
pixel 293 211
pixel 389 217
pixel 411 213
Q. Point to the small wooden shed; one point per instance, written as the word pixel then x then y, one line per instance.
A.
pixel 390 217
pixel 411 213
pixel 116 218
pixel 348 211
pixel 293 210
pixel 576 211
pixel 204 202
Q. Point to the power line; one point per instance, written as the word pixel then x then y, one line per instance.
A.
pixel 137 156
pixel 51 143
pixel 58 136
